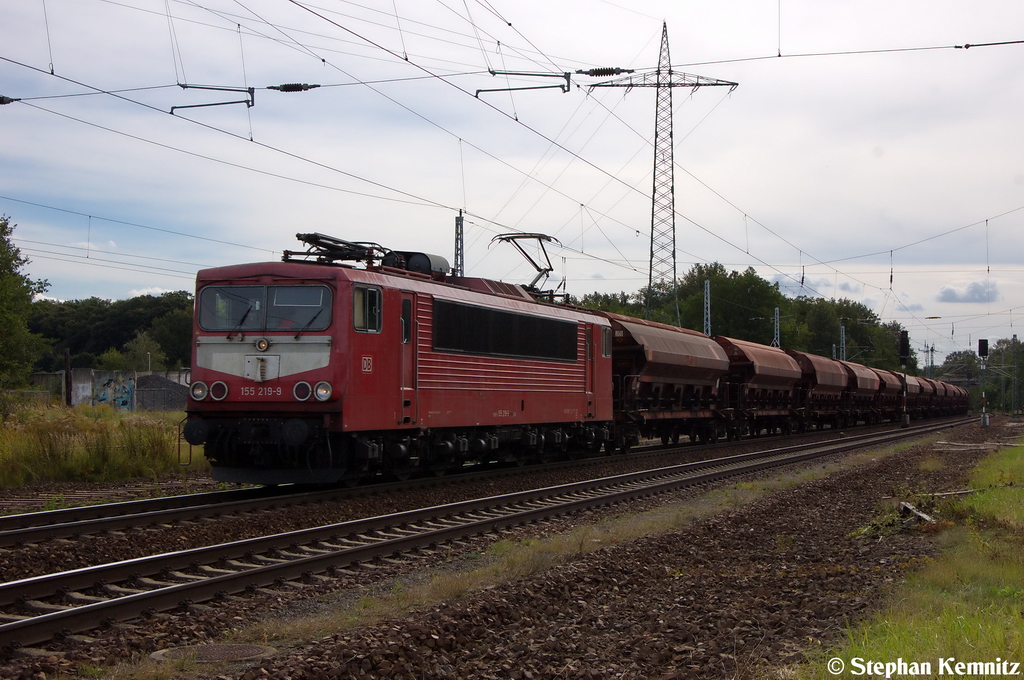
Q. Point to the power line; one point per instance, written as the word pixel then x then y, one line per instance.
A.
pixel 846 53
pixel 859 51
pixel 133 224
pixel 929 238
pixel 90 250
pixel 109 264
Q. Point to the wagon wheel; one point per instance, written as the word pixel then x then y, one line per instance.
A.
pixel 350 479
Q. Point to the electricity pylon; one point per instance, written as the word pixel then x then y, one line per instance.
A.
pixel 663 212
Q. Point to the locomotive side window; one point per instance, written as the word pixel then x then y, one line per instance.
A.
pixel 606 341
pixel 300 307
pixel 482 330
pixel 406 320
pixel 231 308
pixel 366 309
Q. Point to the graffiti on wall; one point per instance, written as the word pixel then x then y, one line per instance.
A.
pixel 116 392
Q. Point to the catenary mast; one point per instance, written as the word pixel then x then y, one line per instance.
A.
pixel 662 272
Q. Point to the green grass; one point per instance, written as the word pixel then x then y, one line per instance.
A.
pixel 87 443
pixel 968 602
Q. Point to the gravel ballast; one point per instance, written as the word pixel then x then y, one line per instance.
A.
pixel 738 592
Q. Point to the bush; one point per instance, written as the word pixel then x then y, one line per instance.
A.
pixel 88 443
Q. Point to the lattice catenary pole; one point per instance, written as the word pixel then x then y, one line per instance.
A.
pixel 663 214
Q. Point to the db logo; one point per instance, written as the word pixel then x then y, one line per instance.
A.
pixel 367 364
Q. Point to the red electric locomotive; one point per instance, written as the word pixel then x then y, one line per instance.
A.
pixel 312 371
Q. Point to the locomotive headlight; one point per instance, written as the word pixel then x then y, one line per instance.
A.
pixel 322 391
pixel 302 391
pixel 262 345
pixel 199 390
pixel 219 391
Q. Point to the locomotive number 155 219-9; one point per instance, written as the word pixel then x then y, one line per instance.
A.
pixel 261 391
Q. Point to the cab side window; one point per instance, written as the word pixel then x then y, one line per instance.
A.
pixel 366 309
pixel 406 321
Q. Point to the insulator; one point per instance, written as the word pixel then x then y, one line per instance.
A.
pixel 604 71
pixel 292 87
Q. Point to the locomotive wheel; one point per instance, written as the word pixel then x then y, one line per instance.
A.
pixel 402 475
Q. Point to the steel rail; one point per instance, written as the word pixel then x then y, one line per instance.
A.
pixel 41 526
pixel 42 518
pixel 241 566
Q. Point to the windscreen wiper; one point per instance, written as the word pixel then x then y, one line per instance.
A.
pixel 240 322
pixel 308 323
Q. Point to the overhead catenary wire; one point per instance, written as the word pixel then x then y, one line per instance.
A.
pixel 218 129
pixel 707 230
pixel 415 200
pixel 89 250
pixel 49 44
pixel 134 224
pixel 179 77
pixel 859 51
pixel 108 264
pixel 844 272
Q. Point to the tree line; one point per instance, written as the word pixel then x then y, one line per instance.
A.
pixel 997 376
pixel 743 307
pixel 141 333
pixel 37 334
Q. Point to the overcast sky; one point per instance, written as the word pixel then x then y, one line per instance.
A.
pixel 867 153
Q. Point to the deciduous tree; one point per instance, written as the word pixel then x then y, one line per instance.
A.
pixel 19 348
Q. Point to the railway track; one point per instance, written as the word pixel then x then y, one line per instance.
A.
pixel 37 609
pixel 37 527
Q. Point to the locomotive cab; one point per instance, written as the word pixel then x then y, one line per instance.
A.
pixel 264 336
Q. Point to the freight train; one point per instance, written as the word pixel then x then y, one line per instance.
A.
pixel 347 360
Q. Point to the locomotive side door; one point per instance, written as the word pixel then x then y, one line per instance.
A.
pixel 591 367
pixel 408 353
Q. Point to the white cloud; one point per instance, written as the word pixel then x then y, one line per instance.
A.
pixel 155 292
pixel 976 291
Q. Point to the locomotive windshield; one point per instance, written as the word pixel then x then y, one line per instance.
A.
pixel 264 308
